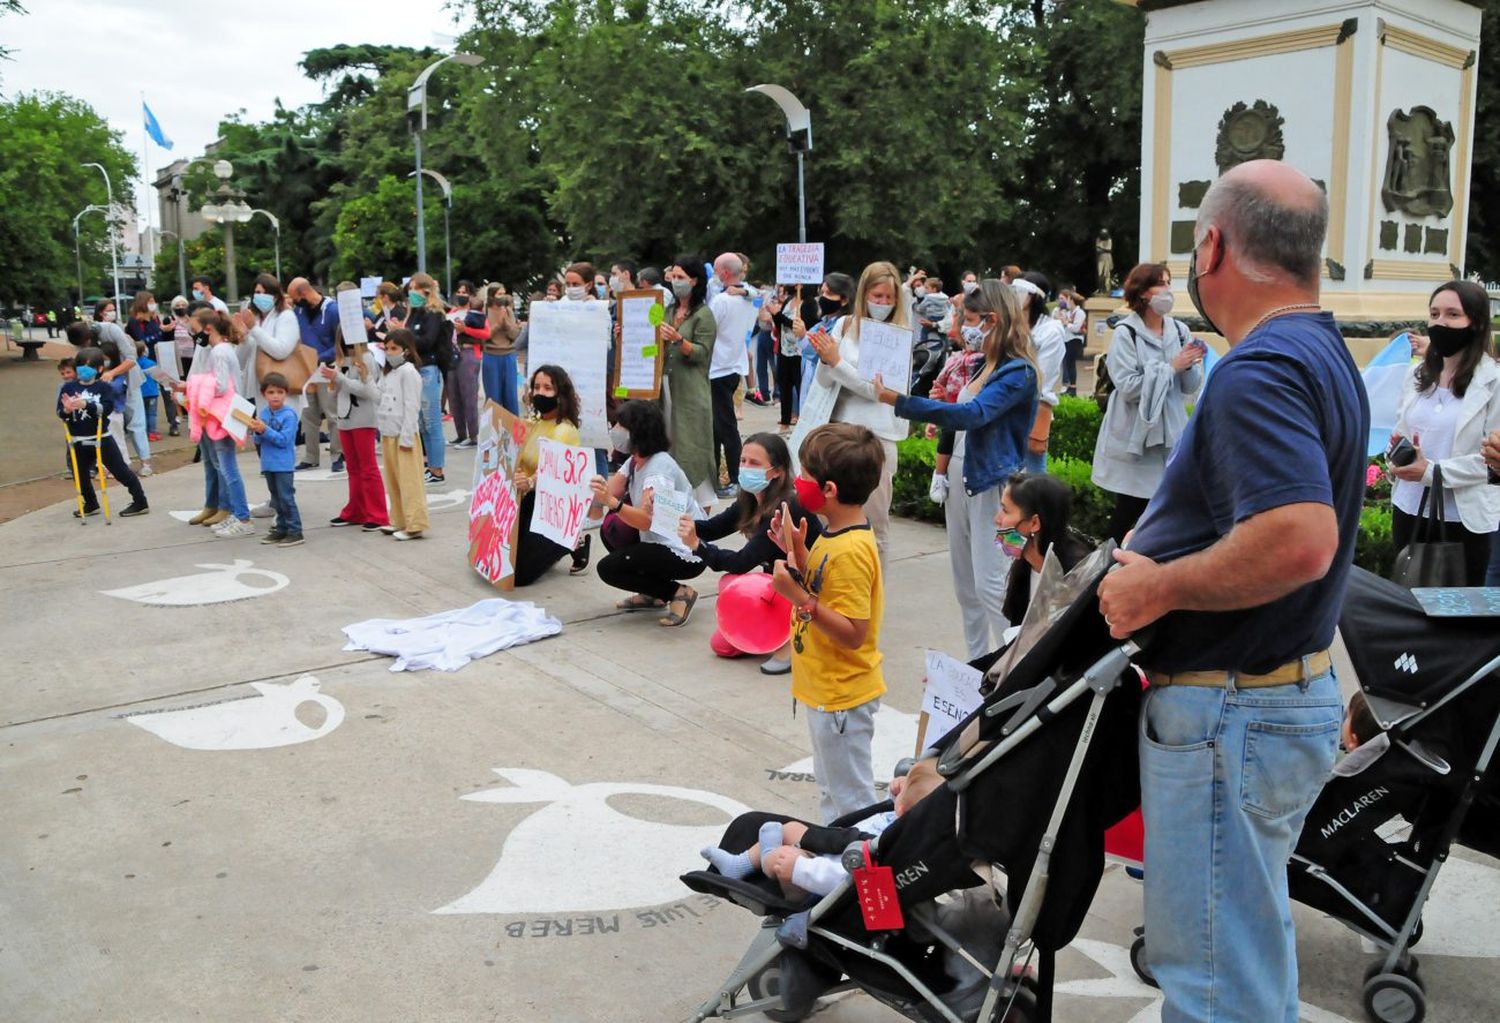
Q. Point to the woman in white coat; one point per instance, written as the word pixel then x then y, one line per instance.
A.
pixel 1156 367
pixel 1449 402
pixel 855 399
pixel 270 327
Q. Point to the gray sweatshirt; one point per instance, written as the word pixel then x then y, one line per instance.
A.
pixel 357 399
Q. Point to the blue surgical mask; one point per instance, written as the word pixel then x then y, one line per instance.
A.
pixel 197 294
pixel 86 374
pixel 753 480
pixel 602 290
pixel 265 303
pixel 416 299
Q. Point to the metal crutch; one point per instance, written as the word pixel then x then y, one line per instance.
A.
pixel 99 458
pixel 77 486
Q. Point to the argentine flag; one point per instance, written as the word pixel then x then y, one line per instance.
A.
pixel 1383 378
pixel 153 128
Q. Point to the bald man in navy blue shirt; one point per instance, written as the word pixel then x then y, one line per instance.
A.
pixel 1242 559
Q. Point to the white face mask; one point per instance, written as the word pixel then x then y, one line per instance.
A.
pixel 879 311
pixel 576 294
pixel 973 337
pixel 109 316
pixel 1162 302
pixel 969 286
pixel 151 308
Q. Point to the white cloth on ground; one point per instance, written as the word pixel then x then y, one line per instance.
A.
pixel 449 640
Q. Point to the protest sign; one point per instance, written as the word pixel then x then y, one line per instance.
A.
pixel 241 414
pixel 639 355
pixel 494 514
pixel 667 505
pixel 817 410
pixel 799 263
pixel 352 318
pixel 951 694
pixel 562 491
pixel 368 286
pixel 885 351
pixel 575 336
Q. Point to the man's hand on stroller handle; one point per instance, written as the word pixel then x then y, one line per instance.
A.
pixel 1132 595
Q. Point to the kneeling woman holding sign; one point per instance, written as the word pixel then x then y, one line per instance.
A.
pixel 645 499
pixel 555 404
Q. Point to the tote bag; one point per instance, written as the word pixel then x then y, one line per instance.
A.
pixel 1429 560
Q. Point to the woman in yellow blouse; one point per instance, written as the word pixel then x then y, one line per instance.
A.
pixel 554 404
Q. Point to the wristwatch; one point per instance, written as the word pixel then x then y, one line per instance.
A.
pixel 806 612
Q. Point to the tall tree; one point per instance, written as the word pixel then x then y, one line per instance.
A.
pixel 44 140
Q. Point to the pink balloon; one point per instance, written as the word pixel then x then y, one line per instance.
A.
pixel 753 616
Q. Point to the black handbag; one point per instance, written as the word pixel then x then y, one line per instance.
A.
pixel 1429 560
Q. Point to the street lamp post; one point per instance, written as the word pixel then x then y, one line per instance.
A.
pixel 78 251
pixel 416 113
pixel 114 259
pixel 229 210
pixel 447 187
pixel 799 141
pixel 276 225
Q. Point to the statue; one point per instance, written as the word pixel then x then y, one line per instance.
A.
pixel 1416 165
pixel 1104 255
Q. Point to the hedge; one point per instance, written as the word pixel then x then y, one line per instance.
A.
pixel 1092 505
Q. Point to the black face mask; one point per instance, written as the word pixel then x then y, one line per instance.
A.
pixel 200 338
pixel 544 403
pixel 304 304
pixel 828 306
pixel 1449 341
pixel 1192 288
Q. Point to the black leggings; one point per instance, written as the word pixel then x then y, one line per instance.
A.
pixel 534 553
pixel 1128 511
pixel 788 383
pixel 946 440
pixel 726 430
pixel 650 568
pixel 117 466
pixel 1476 545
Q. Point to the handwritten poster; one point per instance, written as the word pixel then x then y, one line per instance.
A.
pixel 885 351
pixel 352 318
pixel 562 491
pixel 799 263
pixel 638 359
pixel 494 514
pixel 575 336
pixel 952 694
pixel 368 286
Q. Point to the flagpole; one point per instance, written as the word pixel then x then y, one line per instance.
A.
pixel 150 254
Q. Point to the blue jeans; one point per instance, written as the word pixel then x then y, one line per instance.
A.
pixel 432 416
pixel 1034 464
pixel 765 363
pixel 283 502
pixel 498 374
pixel 1492 574
pixel 213 496
pixel 231 485
pixel 1227 778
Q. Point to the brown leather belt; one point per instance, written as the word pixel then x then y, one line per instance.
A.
pixel 1300 670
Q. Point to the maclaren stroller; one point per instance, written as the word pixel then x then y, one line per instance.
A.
pixel 1032 780
pixel 1432 685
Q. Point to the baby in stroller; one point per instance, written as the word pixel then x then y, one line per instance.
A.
pixel 805 858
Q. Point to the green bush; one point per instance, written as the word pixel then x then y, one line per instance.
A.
pixel 916 457
pixel 1075 427
pixel 1091 504
pixel 1374 551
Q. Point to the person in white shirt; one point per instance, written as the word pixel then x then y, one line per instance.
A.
pixel 1071 314
pixel 203 291
pixel 734 315
pixel 1450 400
pixel 1049 339
pixel 878 297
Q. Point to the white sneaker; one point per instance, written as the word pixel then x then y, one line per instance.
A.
pixel 145 470
pixel 262 511
pixel 938 491
pixel 402 534
pixel 234 528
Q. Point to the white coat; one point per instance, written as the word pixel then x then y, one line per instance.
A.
pixel 1464 472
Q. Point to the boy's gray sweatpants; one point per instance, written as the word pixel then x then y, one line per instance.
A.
pixel 841 758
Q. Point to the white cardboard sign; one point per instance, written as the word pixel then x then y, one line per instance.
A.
pixel 352 318
pixel 799 263
pixel 885 351
pixel 952 694
pixel 562 491
pixel 575 336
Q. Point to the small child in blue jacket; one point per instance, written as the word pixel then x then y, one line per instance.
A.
pixel 275 430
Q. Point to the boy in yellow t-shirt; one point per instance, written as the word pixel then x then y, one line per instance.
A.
pixel 837 605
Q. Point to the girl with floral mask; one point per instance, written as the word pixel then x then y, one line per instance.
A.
pixel 1033 519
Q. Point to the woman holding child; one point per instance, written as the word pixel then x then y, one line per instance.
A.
pixel 995 411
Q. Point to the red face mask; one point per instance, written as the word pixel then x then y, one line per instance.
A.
pixel 810 494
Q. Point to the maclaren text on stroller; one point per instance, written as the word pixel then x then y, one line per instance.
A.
pixel 1034 778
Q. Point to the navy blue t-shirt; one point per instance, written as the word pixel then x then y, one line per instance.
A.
pixel 1284 419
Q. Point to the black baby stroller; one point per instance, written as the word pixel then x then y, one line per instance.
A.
pixel 1432 683
pixel 1034 778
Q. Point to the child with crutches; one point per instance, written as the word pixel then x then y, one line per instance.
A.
pixel 84 405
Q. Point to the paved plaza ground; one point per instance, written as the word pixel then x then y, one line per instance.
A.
pixel 500 843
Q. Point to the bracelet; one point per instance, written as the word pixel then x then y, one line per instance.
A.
pixel 807 612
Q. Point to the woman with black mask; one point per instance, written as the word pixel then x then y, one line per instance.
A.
pixel 1449 402
pixel 832 302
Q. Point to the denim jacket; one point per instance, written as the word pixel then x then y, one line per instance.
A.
pixel 997 421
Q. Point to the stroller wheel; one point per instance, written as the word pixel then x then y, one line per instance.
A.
pixel 767 984
pixel 1140 963
pixel 1392 998
pixel 1410 968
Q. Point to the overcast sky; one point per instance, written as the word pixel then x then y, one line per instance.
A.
pixel 196 61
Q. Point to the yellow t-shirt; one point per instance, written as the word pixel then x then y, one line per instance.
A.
pixel 559 430
pixel 843 569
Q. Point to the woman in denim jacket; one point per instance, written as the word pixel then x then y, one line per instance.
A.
pixel 995 412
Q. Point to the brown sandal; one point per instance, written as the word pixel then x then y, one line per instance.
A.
pixel 673 618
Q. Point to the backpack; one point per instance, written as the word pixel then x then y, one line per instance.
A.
pixel 1104 386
